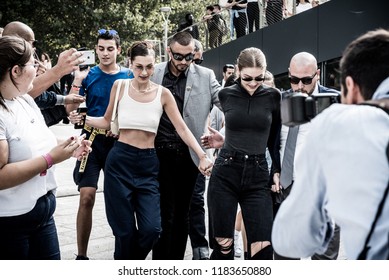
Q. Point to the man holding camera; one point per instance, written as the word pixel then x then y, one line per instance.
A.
pixel 304 78
pixel 347 180
pixel 95 84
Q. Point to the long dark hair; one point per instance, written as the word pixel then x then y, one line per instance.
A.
pixel 13 51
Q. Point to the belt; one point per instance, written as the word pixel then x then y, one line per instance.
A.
pixel 93 132
pixel 171 146
pixel 98 130
pixel 240 156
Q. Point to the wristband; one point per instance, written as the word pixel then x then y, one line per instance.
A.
pixel 76 88
pixel 49 162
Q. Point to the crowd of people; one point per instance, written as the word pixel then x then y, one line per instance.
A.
pixel 232 19
pixel 156 165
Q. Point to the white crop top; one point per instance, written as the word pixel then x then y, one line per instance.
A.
pixel 139 115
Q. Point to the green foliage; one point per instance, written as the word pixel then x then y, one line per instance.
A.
pixel 61 24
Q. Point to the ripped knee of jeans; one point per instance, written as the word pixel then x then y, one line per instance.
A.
pixel 225 245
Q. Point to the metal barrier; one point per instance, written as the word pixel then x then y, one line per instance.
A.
pixel 229 24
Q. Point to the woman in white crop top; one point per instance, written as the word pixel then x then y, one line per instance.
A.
pixel 27 151
pixel 131 188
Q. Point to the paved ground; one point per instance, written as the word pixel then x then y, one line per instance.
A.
pixel 101 244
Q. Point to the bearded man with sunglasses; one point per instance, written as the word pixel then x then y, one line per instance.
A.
pixel 304 77
pixel 195 90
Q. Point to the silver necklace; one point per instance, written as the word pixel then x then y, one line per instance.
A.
pixel 143 90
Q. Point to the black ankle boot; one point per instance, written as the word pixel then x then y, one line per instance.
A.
pixel 81 258
pixel 264 254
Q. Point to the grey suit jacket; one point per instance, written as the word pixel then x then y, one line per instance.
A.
pixel 201 93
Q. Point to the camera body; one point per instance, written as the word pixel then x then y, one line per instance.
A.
pixel 298 108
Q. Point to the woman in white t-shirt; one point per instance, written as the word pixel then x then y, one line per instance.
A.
pixel 27 151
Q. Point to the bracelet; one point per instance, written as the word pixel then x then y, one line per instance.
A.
pixel 76 86
pixel 49 162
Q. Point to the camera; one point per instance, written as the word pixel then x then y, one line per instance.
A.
pixel 298 108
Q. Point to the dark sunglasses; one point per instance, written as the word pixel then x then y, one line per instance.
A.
pixel 198 61
pixel 305 80
pixel 257 79
pixel 180 57
pixel 105 31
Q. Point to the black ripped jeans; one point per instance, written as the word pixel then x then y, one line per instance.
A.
pixel 239 178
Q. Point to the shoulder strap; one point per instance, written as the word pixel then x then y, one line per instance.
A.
pixel 384 105
pixel 115 105
pixel 159 92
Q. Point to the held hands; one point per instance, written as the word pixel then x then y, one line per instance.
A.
pixel 75 146
pixel 213 140
pixel 205 165
pixel 276 187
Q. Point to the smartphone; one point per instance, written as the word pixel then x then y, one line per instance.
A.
pixel 89 56
pixel 81 111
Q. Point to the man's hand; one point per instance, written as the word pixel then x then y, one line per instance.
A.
pixel 68 62
pixel 213 140
pixel 74 99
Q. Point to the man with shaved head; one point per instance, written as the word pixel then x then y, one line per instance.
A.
pixel 68 61
pixel 304 78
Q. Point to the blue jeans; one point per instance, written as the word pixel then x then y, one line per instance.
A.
pixel 239 178
pixel 132 200
pixel 31 236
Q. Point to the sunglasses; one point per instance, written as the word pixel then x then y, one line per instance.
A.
pixel 305 80
pixel 180 57
pixel 257 79
pixel 198 61
pixel 110 32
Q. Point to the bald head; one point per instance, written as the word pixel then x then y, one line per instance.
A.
pixel 20 29
pixel 303 59
pixel 304 65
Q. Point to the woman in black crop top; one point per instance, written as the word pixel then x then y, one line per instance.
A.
pixel 240 174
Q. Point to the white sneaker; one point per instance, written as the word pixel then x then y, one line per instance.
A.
pixel 237 244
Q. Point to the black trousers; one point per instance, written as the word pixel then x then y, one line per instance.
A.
pixel 177 178
pixel 197 215
pixel 253 16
